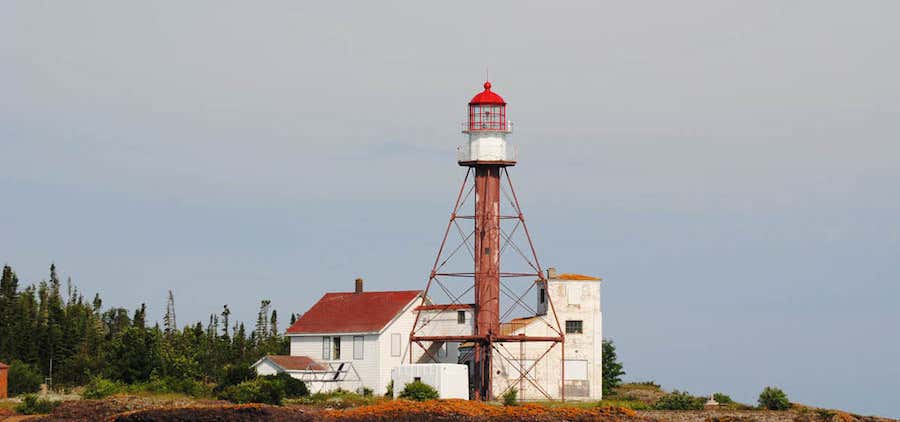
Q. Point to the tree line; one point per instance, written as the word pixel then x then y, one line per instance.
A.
pixel 61 333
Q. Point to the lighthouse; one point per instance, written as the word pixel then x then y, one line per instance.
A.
pixel 487 153
pixel 497 289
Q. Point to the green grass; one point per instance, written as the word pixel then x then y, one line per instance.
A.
pixel 337 399
pixel 644 385
pixel 628 404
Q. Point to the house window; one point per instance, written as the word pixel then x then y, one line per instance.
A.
pixel 395 344
pixel 573 327
pixel 336 348
pixel 357 347
pixel 460 317
pixel 543 295
pixel 326 348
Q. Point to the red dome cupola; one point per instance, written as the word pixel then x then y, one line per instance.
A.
pixel 487 112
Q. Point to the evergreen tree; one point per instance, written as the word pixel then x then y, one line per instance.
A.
pixel 140 317
pixel 273 322
pixel 612 369
pixel 9 285
pixel 169 319
pixel 39 325
pixel 262 321
pixel 225 314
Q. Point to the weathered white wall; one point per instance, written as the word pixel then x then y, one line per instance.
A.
pixel 266 368
pixel 573 300
pixel 486 146
pixel 365 369
pixel 402 325
pixel 445 323
pixel 450 380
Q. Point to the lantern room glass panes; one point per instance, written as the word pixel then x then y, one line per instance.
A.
pixel 487 117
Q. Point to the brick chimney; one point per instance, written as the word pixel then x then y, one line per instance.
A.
pixel 359 285
pixel 551 273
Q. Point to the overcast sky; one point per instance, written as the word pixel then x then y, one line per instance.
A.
pixel 731 169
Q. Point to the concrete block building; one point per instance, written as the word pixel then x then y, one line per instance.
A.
pixel 576 300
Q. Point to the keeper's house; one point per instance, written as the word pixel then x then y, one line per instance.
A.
pixel 349 340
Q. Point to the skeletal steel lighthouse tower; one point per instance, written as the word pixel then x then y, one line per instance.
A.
pixel 486 153
pixel 487 156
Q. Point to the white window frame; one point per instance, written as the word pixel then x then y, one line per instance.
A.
pixel 395 344
pixel 358 347
pixel 326 348
pixel 336 351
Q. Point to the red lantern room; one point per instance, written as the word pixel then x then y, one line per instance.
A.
pixel 487 128
pixel 487 112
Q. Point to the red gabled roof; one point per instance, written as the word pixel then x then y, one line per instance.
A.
pixel 487 97
pixel 295 363
pixel 447 307
pixel 364 312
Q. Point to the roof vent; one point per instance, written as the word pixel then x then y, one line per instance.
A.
pixel 359 286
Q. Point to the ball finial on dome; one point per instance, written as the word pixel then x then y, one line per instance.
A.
pixel 487 86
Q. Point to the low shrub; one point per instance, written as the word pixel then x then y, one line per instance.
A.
pixel 293 388
pixel 511 397
pixel 419 391
pixel 236 374
pixel 367 392
pixel 337 399
pixel 624 403
pixel 651 384
pixel 466 410
pixel 722 398
pixel 773 398
pixel 34 405
pixel 679 400
pixel 100 387
pixel 23 378
pixel 173 385
pixel 261 390
pixel 390 390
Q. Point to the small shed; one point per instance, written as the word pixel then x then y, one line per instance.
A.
pixel 4 370
pixel 449 379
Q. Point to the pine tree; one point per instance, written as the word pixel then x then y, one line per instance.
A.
pixel 9 285
pixel 25 327
pixel 169 319
pixel 612 369
pixel 140 317
pixel 225 314
pixel 262 321
pixel 273 322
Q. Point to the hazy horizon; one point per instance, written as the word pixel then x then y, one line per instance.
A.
pixel 730 169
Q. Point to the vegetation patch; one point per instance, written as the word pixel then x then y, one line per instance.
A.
pixel 261 390
pixel 679 400
pixel 34 405
pixel 22 378
pixel 773 398
pixel 511 397
pixel 454 410
pixel 338 399
pixel 418 391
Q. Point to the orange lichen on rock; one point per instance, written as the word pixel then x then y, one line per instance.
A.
pixel 447 410
pixel 572 276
